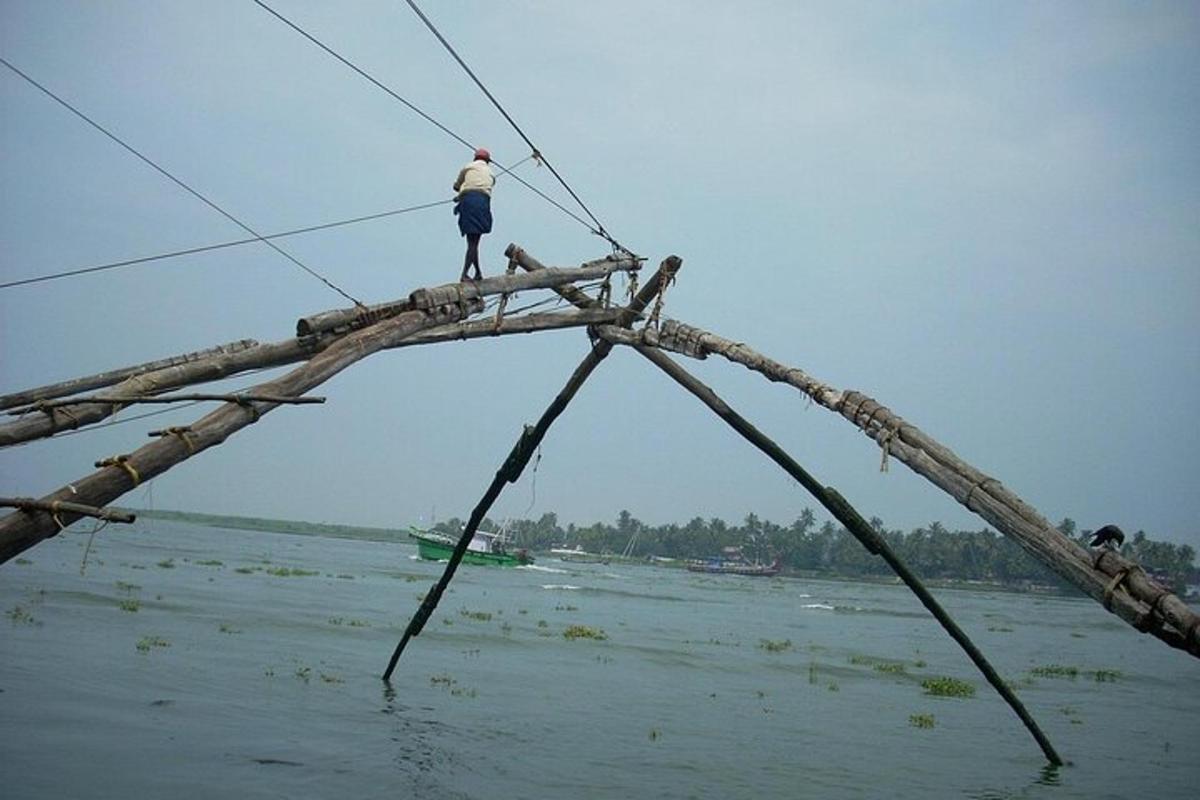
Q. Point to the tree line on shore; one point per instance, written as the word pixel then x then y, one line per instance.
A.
pixel 932 551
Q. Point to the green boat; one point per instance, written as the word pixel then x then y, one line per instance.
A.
pixel 485 548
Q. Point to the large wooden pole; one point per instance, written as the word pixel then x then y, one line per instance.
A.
pixel 227 362
pixel 514 465
pixel 102 379
pixel 23 529
pixel 1118 584
pixel 852 521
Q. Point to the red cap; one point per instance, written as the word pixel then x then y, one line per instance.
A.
pixel 483 155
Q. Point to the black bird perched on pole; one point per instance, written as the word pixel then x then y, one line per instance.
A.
pixel 1109 536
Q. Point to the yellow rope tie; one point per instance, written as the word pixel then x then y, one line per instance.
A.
pixel 971 492
pixel 1117 580
pixel 658 303
pixel 54 508
pixel 885 444
pixel 124 463
pixel 185 435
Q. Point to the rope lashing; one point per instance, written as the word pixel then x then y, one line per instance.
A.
pixel 511 269
pixel 54 508
pixel 183 432
pixel 255 414
pixel 124 463
pixel 1117 580
pixel 886 435
pixel 658 302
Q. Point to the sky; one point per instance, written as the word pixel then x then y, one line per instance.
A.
pixel 985 215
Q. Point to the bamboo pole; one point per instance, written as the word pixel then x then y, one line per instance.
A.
pixel 853 522
pixel 54 509
pixel 19 531
pixel 102 379
pixel 510 471
pixel 175 398
pixel 38 425
pixel 1118 584
pixel 222 365
pixel 346 318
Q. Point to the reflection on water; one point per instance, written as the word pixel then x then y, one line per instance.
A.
pixel 190 662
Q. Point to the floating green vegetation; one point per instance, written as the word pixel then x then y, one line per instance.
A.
pixel 128 587
pixel 478 616
pixel 247 570
pixel 137 566
pixel 349 623
pixel 947 687
pixel 812 673
pixel 1078 635
pixel 1055 671
pixel 327 678
pixel 168 563
pixel 146 643
pixel 655 734
pixel 773 646
pixel 211 563
pixel 584 632
pixel 541 623
pixel 443 679
pixel 23 561
pixel 460 691
pixel 921 720
pixel 919 663
pixel 129 605
pixel 506 629
pixel 292 572
pixel 303 673
pixel 1000 629
pixel 833 686
pixel 522 610
pixel 861 660
pixel 1107 675
pixel 345 577
pixel 447 621
pixel 566 608
pixel 227 628
pixel 20 616
pixel 891 667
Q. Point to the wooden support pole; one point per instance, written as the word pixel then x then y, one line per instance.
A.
pixel 102 379
pixel 501 284
pixel 1136 598
pixel 19 531
pixel 40 425
pixel 513 466
pixel 42 405
pixel 224 365
pixel 54 509
pixel 853 522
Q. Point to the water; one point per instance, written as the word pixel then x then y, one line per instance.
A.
pixel 268 685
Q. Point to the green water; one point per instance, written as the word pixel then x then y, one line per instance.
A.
pixel 186 663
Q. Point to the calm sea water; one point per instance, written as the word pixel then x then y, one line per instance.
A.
pixel 179 666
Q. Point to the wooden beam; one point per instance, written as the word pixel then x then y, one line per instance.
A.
pixel 348 318
pixel 1135 598
pixel 175 398
pixel 102 379
pixel 851 520
pixel 19 531
pixel 56 508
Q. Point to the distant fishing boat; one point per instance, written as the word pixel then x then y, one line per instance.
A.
pixel 578 555
pixel 732 562
pixel 486 548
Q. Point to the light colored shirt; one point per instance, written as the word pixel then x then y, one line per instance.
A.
pixel 475 177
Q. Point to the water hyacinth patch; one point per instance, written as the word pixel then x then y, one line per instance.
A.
pixel 947 687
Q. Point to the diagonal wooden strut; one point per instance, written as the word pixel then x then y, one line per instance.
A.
pixel 836 504
pixel 531 437
pixel 853 522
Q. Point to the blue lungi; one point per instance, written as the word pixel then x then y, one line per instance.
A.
pixel 474 211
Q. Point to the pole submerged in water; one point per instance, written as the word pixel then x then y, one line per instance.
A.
pixel 531 437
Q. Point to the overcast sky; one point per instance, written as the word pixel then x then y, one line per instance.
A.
pixel 985 215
